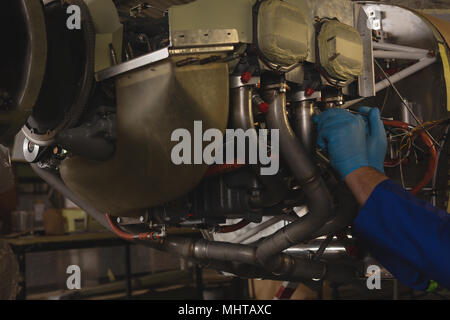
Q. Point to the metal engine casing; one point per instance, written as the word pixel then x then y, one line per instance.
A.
pixel 151 103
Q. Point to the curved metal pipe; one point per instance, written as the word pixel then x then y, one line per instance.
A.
pixel 319 199
pixel 260 227
pixel 242 113
pixel 304 123
pixel 221 253
pixel 195 249
pixel 345 213
pixel 242 118
pixel 241 260
pixel 204 250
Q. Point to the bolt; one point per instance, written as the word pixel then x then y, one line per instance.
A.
pixel 30 146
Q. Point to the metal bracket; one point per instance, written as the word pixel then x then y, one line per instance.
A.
pixel 200 50
pixel 366 81
pixel 374 17
pixel 204 37
pixel 301 96
pixel 31 151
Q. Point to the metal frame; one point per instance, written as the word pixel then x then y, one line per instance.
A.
pixel 22 250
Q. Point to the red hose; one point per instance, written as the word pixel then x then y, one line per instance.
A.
pixel 432 162
pixel 234 227
pixel 129 236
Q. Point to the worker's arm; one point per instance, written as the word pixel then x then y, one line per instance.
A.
pixel 363 181
pixel 407 235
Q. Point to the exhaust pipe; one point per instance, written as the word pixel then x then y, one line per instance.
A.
pixel 318 197
pixel 235 258
pixel 242 118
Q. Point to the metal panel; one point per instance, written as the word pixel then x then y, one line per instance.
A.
pixel 133 64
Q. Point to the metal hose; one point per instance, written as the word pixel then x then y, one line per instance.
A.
pixel 318 197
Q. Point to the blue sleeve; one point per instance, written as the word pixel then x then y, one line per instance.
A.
pixel 408 236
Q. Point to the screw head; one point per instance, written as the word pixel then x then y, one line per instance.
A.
pixel 31 146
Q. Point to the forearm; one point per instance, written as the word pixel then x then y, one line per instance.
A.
pixel 408 236
pixel 363 181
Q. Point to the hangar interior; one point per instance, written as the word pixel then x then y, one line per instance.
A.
pixel 100 199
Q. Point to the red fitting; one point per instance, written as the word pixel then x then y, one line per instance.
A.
pixel 130 236
pixel 309 92
pixel 246 76
pixel 263 107
pixel 144 236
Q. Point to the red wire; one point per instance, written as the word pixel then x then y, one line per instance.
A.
pixel 432 163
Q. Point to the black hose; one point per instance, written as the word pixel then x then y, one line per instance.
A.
pixel 318 197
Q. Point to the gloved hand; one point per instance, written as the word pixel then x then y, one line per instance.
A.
pixel 376 138
pixel 344 136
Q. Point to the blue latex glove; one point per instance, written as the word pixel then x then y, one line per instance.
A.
pixel 376 138
pixel 344 136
